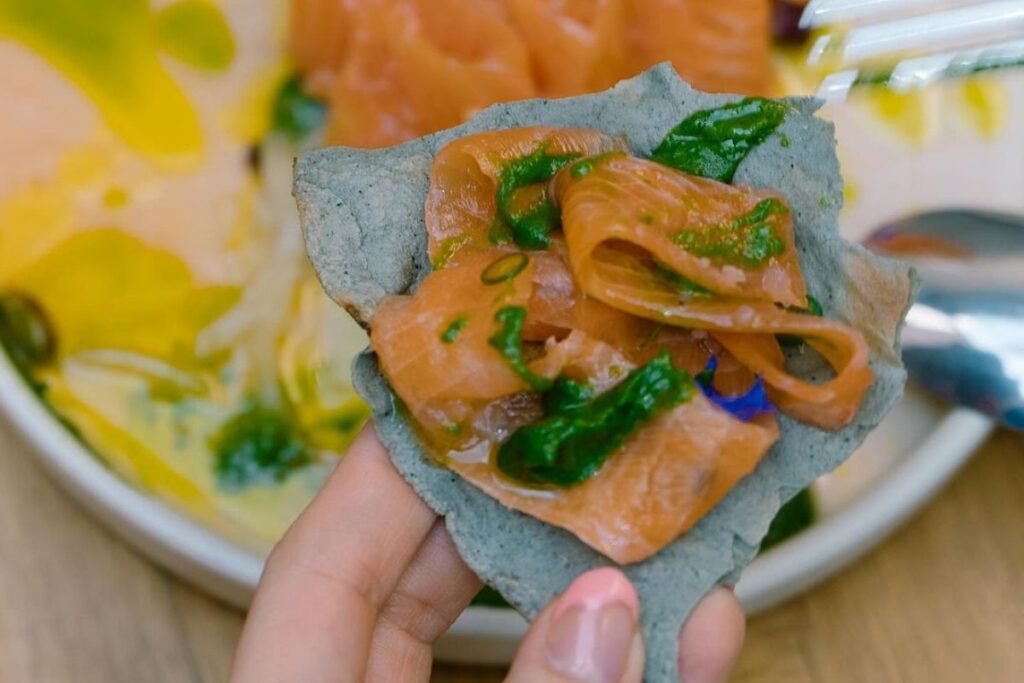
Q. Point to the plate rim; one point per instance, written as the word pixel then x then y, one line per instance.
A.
pixel 218 566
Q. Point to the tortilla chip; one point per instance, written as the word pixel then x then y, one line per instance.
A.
pixel 363 219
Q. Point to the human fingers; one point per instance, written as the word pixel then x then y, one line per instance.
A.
pixel 431 594
pixel 589 634
pixel 711 639
pixel 316 607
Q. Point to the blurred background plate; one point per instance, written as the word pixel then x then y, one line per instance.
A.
pixel 917 449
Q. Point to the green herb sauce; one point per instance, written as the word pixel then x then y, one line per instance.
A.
pixel 566 394
pixel 451 333
pixel 747 240
pixel 196 33
pixel 796 515
pixel 712 143
pixel 683 284
pixel 297 114
pixel 531 229
pixel 508 340
pixel 570 445
pixel 258 446
pixel 813 308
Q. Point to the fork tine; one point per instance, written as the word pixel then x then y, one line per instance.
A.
pixel 825 12
pixel 918 72
pixel 986 22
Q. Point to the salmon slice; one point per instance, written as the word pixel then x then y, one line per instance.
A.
pixel 554 298
pixel 614 289
pixel 443 380
pixel 412 67
pixel 318 39
pixel 462 199
pixel 663 479
pixel 715 46
pixel 397 69
pixel 576 46
pixel 626 201
pixel 656 208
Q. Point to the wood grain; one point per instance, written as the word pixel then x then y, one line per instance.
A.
pixel 939 602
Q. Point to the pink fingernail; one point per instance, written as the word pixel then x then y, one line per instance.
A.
pixel 594 627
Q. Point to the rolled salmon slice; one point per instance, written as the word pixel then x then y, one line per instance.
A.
pixel 620 221
pixel 462 199
pixel 624 200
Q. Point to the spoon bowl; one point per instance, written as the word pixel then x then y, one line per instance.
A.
pixel 964 337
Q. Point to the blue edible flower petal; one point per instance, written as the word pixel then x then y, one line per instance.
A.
pixel 745 406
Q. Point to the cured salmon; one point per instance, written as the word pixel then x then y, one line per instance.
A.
pixel 462 201
pixel 671 217
pixel 393 70
pixel 412 67
pixel 641 264
pixel 655 488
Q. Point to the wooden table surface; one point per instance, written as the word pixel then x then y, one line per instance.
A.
pixel 940 601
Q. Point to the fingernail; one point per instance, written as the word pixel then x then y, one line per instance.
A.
pixel 594 627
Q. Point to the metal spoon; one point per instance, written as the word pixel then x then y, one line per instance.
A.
pixel 964 338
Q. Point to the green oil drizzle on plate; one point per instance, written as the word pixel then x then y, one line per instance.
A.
pixel 196 33
pixel 109 49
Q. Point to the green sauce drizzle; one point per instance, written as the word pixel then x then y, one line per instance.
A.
pixel 196 33
pixel 504 268
pixel 813 308
pixel 508 340
pixel 297 114
pixel 109 49
pixel 569 446
pixel 747 240
pixel 796 515
pixel 683 284
pixel 531 229
pixel 258 446
pixel 451 333
pixel 566 394
pixel 712 143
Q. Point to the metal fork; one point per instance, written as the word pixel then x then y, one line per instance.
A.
pixel 908 44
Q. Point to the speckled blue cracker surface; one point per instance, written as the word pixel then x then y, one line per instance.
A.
pixel 363 220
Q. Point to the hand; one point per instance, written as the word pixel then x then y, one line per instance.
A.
pixel 367 579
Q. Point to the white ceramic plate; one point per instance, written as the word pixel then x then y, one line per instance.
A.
pixel 917 449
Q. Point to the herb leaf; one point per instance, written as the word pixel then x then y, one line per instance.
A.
pixel 297 114
pixel 567 447
pixel 712 142
pixel 258 446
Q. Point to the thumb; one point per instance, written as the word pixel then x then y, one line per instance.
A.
pixel 589 634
